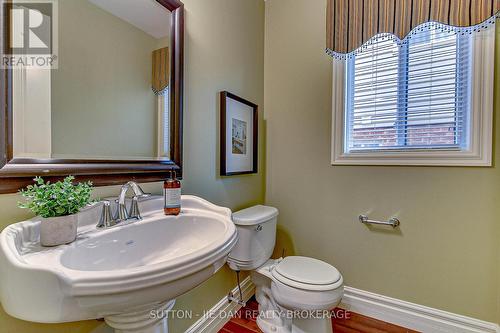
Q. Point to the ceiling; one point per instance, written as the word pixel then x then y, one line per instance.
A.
pixel 147 15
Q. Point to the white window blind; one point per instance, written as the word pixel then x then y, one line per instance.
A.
pixel 164 123
pixel 412 95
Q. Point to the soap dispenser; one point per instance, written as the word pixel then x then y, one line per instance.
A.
pixel 172 195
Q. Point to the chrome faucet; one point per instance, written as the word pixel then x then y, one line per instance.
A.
pixel 133 213
pixel 122 214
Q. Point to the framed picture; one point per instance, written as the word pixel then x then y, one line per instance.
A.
pixel 238 135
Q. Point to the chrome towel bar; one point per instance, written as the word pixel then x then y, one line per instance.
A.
pixel 393 222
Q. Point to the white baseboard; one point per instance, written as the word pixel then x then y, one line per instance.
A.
pixel 212 322
pixel 410 315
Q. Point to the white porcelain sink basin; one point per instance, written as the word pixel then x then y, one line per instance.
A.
pixel 169 239
pixel 121 273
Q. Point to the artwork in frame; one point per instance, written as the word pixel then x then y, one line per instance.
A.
pixel 238 135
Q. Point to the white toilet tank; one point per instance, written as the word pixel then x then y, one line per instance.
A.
pixel 256 237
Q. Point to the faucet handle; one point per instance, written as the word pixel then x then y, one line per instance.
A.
pixel 121 212
pixel 134 212
pixel 106 220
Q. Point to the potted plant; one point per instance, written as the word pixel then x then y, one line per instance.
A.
pixel 57 204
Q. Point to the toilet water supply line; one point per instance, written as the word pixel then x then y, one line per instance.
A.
pixel 232 298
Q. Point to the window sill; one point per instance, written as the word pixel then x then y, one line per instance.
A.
pixel 415 158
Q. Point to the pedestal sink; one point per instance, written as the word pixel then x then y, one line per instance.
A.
pixel 123 274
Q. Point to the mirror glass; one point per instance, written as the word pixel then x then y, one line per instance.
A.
pixel 108 98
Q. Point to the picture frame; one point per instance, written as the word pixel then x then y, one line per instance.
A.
pixel 238 135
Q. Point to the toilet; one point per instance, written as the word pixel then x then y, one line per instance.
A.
pixel 295 294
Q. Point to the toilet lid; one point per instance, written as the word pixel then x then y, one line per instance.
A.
pixel 306 270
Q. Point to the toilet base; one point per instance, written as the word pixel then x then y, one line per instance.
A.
pixel 273 323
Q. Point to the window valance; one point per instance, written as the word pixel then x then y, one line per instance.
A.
pixel 351 23
pixel 161 70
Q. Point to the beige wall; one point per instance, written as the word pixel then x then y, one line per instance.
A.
pixel 102 86
pixel 446 253
pixel 224 50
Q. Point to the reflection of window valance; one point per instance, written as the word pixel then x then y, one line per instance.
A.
pixel 350 23
pixel 161 70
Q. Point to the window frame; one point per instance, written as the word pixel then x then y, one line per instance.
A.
pixel 479 152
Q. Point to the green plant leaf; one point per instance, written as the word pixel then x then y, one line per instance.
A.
pixel 56 199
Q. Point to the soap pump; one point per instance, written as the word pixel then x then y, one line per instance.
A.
pixel 172 195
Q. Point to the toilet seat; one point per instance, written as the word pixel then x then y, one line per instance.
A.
pixel 307 274
pixel 291 284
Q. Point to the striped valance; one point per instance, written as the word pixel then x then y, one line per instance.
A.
pixel 161 70
pixel 350 23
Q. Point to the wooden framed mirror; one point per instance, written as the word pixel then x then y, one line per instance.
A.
pixel 102 113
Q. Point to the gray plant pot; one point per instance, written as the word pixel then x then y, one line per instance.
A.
pixel 58 230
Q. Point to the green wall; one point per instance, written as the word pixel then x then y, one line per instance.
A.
pixel 446 253
pixel 103 83
pixel 224 51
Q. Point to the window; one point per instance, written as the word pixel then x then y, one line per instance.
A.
pixel 426 100
pixel 163 124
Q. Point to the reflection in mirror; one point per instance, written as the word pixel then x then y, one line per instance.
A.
pixel 108 98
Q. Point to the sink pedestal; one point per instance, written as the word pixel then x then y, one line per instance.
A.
pixel 150 319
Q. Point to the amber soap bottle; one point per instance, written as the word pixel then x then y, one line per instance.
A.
pixel 172 195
